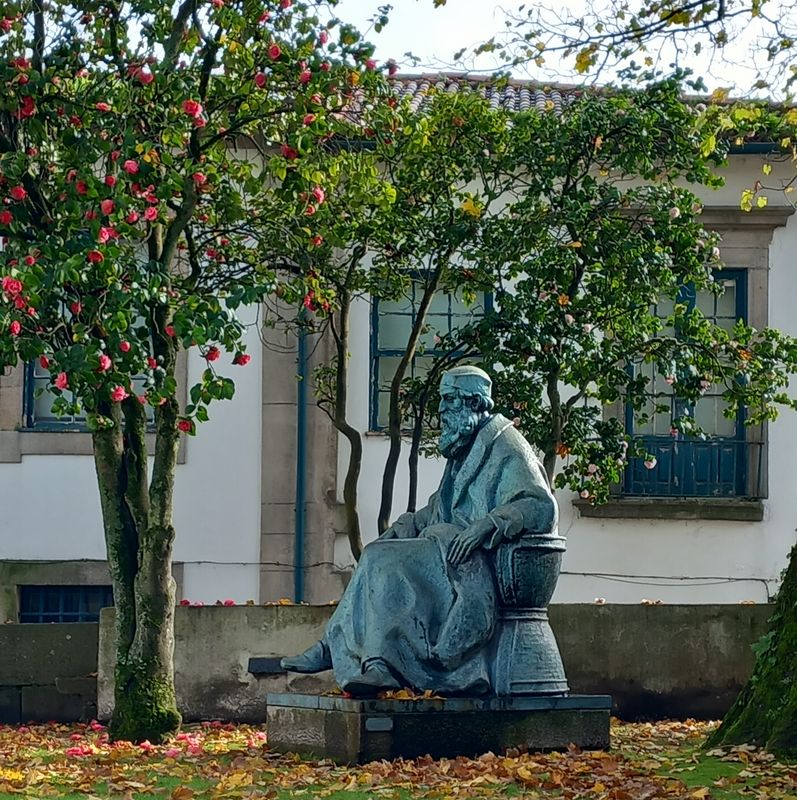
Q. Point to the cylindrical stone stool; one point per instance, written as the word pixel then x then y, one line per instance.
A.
pixel 526 657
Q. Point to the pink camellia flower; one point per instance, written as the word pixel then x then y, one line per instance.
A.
pixel 61 381
pixel 591 469
pixel 274 51
pixel 304 76
pixel 124 346
pixel 18 193
pixel 323 38
pixel 146 746
pixel 95 257
pixel 75 307
pixel 184 425
pixel 392 68
pixel 228 602
pixel 6 217
pixel 584 493
pixel 317 241
pixel 197 604
pixel 107 206
pixel 217 3
pixel 151 362
pixel 309 119
pixel 131 218
pixel 105 234
pixel 212 353
pixel 44 362
pixel 241 359
pixel 172 752
pixel 11 286
pixel 650 463
pixel 118 393
pixel 193 108
pixel 151 214
pixel 110 180
pixel 260 80
pixel 669 380
pixel 587 327
pixel 105 363
pixel 102 107
pixel 516 422
pixel 142 398
pixel 200 179
pixel 15 328
pixel 145 77
pixel 319 194
pixel 370 63
pixel 130 166
pixel 286 3
pixel 569 319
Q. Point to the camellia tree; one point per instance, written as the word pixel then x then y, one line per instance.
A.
pixel 154 160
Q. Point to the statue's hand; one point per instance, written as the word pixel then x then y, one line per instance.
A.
pixel 466 542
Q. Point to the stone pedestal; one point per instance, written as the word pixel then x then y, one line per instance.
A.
pixel 358 731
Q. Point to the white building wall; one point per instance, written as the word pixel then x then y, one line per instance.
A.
pixel 50 504
pixel 628 560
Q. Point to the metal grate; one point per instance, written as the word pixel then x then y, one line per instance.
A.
pixel 63 603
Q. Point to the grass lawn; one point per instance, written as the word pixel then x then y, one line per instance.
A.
pixel 652 760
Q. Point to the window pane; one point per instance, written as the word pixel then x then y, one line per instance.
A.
pixel 394 331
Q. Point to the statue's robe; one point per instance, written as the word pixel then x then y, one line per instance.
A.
pixel 432 623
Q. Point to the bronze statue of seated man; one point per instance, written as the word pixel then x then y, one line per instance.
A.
pixel 421 608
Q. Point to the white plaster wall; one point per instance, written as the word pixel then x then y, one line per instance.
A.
pixel 50 504
pixel 626 561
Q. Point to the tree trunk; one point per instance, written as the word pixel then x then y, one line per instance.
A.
pixel 765 712
pixel 139 534
pixel 352 435
pixel 394 413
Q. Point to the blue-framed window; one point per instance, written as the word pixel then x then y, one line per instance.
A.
pixel 687 466
pixel 63 603
pixel 38 402
pixel 391 323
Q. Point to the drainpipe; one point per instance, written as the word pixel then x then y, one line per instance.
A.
pixel 301 466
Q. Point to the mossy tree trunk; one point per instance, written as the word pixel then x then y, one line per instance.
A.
pixel 139 534
pixel 765 712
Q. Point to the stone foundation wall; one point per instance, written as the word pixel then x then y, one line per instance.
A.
pixel 48 672
pixel 656 661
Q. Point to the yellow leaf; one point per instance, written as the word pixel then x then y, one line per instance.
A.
pixel 471 208
pixel 761 202
pixel 700 793
pixel 598 788
pixel 766 169
pixel 719 95
pixel 284 601
pixel 574 244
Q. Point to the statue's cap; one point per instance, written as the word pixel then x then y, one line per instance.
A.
pixel 469 380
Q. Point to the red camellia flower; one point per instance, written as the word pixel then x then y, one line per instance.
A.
pixel 151 362
pixel 81 187
pixel 44 362
pixel 169 330
pixel 27 107
pixel 309 119
pixel 260 80
pixel 184 425
pixel 107 206
pixel 124 346
pixel 192 107
pixel 274 52
pixel 15 328
pixel 145 77
pixel 309 211
pixel 130 166
pixel 102 107
pixel 30 261
pixel 95 257
pixel 131 218
pixel 18 193
pixel 11 286
pixel 6 217
pixel 151 214
pixel 200 179
pixel 286 3
pixel 317 241
pixel 242 359
pixel 323 37
pixel 392 68
pixel 110 181
pixel 289 152
pixel 105 363
pixel 370 63
pixel 61 381
pixel 304 76
pixel 118 393
pixel 212 353
pixel 75 307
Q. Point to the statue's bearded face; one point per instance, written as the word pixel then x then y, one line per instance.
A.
pixel 458 423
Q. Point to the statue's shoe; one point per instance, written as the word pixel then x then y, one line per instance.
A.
pixel 376 677
pixel 315 659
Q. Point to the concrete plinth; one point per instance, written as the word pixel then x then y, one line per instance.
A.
pixel 358 731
